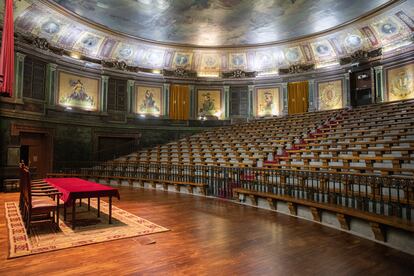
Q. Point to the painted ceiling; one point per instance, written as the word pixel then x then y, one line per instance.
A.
pixel 220 22
pixel 390 28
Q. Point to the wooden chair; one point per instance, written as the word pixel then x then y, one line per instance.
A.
pixel 37 202
pixel 38 186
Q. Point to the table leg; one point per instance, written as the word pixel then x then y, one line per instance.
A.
pixel 99 206
pixel 57 214
pixel 110 210
pixel 64 211
pixel 80 202
pixel 89 203
pixel 73 213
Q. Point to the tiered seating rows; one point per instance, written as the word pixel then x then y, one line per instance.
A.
pixel 372 139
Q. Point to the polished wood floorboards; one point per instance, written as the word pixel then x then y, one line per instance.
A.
pixel 213 237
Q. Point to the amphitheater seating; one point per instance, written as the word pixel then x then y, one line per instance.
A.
pixel 376 139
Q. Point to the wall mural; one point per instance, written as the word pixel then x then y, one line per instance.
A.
pixel 209 103
pixel 330 94
pixel 78 91
pixel 148 100
pixel 267 101
pixel 182 60
pixel 388 27
pixel 401 82
pixel 210 62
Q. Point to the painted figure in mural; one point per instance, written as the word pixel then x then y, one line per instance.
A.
pixel 148 104
pixel 268 102
pixel 208 107
pixel 402 85
pixel 268 105
pixel 78 95
pixel 78 91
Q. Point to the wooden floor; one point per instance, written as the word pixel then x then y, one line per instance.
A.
pixel 211 236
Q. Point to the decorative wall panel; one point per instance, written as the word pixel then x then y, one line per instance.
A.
pixel 400 82
pixel 267 101
pixel 78 91
pixel 209 103
pixel 330 94
pixel 148 100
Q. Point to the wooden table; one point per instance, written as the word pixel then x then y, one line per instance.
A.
pixel 76 188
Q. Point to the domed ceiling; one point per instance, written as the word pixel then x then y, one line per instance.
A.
pixel 175 26
pixel 220 22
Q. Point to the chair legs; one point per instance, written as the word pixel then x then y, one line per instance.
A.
pixel 27 218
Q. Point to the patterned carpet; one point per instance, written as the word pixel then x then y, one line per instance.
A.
pixel 90 229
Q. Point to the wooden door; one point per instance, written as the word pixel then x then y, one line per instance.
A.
pixel 298 97
pixel 38 152
pixel 179 102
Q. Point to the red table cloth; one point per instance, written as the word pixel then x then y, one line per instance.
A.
pixel 78 188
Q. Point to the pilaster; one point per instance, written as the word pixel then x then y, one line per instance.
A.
pixel 285 110
pixel 312 97
pixel 103 106
pixel 226 93
pixel 250 101
pixel 51 80
pixel 130 96
pixel 347 90
pixel 166 97
pixel 379 84
pixel 18 77
pixel 193 109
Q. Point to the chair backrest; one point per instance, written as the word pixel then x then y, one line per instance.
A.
pixel 21 173
pixel 26 186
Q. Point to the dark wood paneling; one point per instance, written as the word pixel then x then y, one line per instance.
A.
pixel 39 81
pixel 27 77
pixel 239 101
pixel 112 94
pixel 117 94
pixel 121 95
pixel 34 79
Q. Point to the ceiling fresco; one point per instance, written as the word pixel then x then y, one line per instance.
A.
pixel 220 22
pixel 392 26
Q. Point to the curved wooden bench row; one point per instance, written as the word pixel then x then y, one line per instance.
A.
pixel 377 222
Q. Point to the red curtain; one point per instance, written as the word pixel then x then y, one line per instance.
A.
pixel 7 51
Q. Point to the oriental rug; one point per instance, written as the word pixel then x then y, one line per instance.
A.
pixel 45 236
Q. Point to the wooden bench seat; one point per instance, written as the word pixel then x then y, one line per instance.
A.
pixel 377 222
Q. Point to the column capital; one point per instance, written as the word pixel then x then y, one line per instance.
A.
pixel 20 56
pixel 52 66
pixel 347 75
pixel 104 78
pixel 311 81
pixel 131 83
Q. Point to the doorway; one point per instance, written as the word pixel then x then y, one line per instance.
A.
pixel 298 97
pixel 36 152
pixel 361 88
pixel 179 102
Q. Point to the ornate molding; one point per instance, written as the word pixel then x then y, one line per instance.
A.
pixel 296 69
pixel 179 73
pixel 119 65
pixel 238 74
pixel 40 43
pixel 361 56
